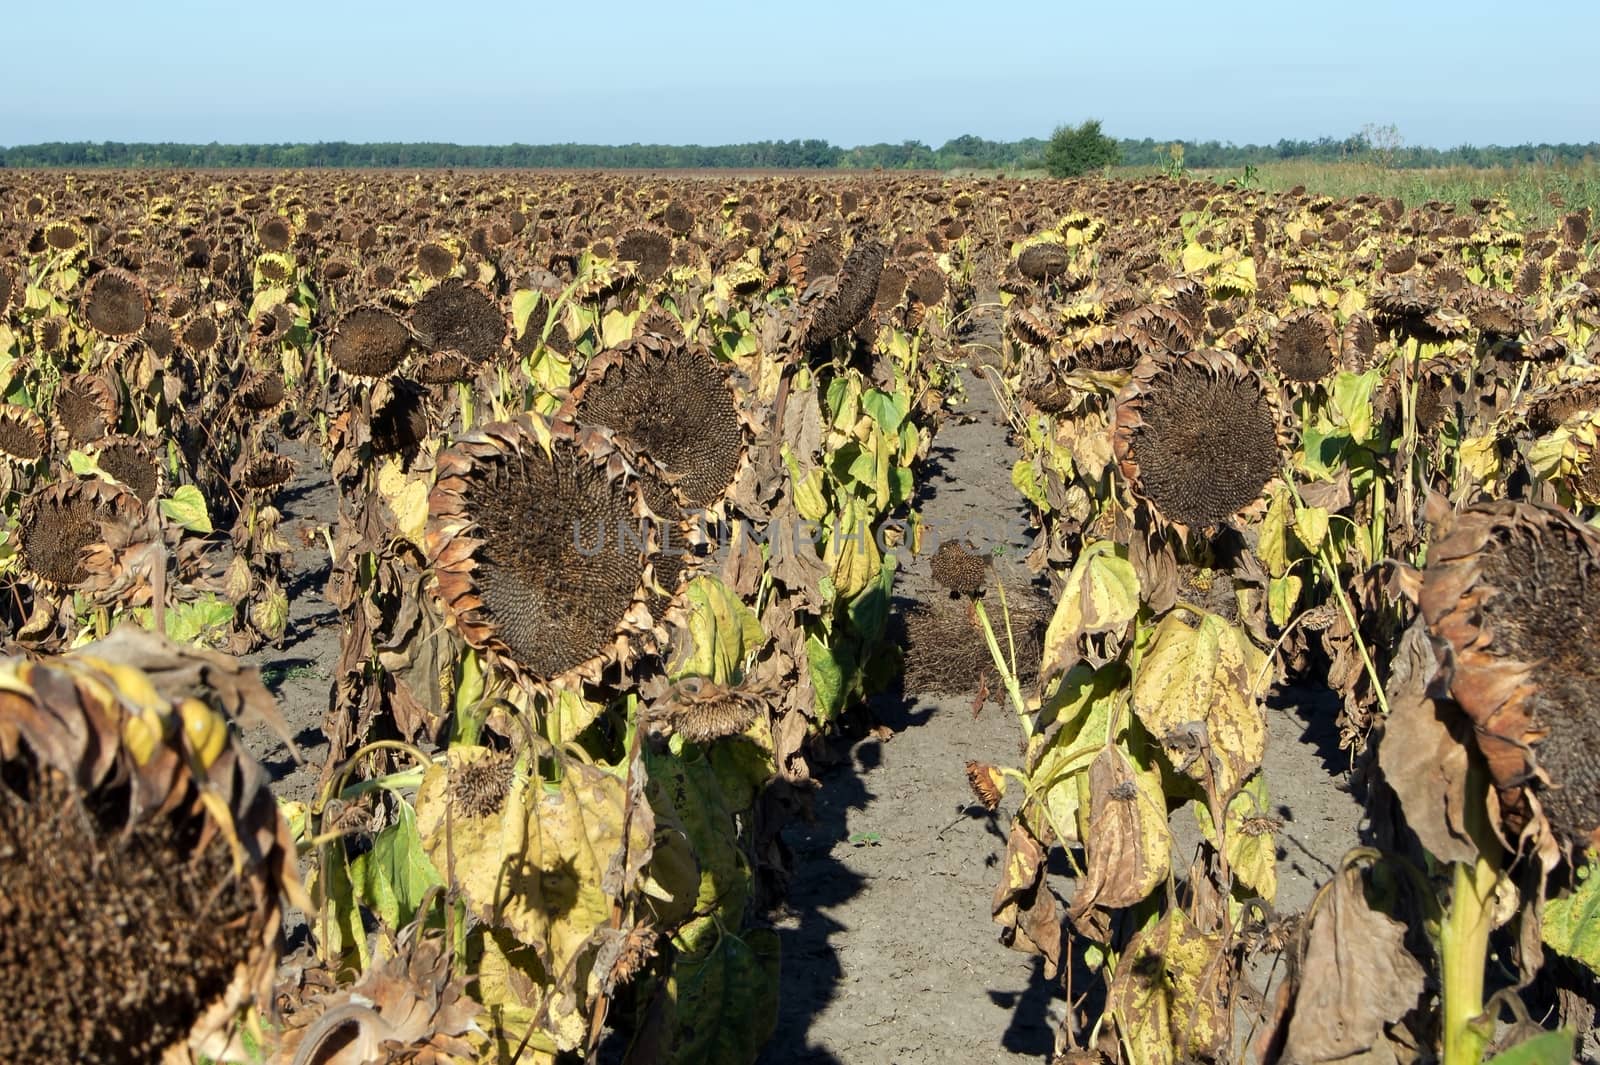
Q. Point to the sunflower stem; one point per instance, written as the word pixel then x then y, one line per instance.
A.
pixel 1464 936
pixel 1330 570
pixel 1007 675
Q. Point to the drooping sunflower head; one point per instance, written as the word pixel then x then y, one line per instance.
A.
pixel 261 391
pixel 200 334
pixel 435 260
pixel 141 885
pixel 23 437
pixel 541 553
pixel 274 233
pixel 678 218
pixel 369 343
pixel 1514 590
pixel 1358 341
pixel 671 402
pixel 263 472
pixel 455 316
pixel 703 711
pixel 1303 346
pixel 958 566
pixel 115 304
pixel 1197 436
pixel 132 463
pixel 1044 261
pixel 841 306
pixel 59 521
pixel 63 236
pixel 649 250
pixel 86 406
pixel 399 417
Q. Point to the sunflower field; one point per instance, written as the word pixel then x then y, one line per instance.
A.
pixel 622 471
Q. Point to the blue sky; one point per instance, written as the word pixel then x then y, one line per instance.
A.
pixel 857 72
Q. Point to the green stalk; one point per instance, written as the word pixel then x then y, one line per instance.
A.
pixel 1464 936
pixel 1007 674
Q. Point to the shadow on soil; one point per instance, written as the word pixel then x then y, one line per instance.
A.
pixel 813 925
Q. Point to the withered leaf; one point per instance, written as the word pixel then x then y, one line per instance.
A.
pixel 1356 976
pixel 1423 754
pixel 1024 905
pixel 1129 845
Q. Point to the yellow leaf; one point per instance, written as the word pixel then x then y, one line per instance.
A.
pixel 537 867
pixel 1195 693
pixel 1101 594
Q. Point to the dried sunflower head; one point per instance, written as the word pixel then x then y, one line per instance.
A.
pixel 145 862
pixel 261 391
pixel 369 343
pixel 407 1007
pixel 672 403
pixel 132 463
pixel 399 417
pixel 59 521
pixel 23 437
pixel 535 531
pixel 1044 261
pixel 1303 346
pixel 648 249
pixel 274 233
pixel 115 304
pixel 1197 436
pixel 435 260
pixel 455 316
pixel 702 711
pixel 1514 590
pixel 263 472
pixel 958 566
pixel 86 406
pixel 836 308
pixel 200 334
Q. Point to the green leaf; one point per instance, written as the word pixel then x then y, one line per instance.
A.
pixel 395 874
pixel 1549 1048
pixel 187 507
pixel 523 301
pixel 828 676
pixel 1283 596
pixel 1083 703
pixel 724 998
pixel 844 402
pixel 189 622
pixel 83 465
pixel 270 616
pixel 1352 402
pixel 1272 548
pixel 886 408
pixel 699 792
pixel 1323 452
pixel 1572 923
pixel 1195 692
pixel 1025 479
pixel 1249 845
pixel 1311 527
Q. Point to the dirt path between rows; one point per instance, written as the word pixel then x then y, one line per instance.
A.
pixel 890 956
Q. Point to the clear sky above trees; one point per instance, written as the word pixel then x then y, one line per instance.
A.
pixel 494 72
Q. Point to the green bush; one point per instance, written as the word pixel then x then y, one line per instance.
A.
pixel 1077 150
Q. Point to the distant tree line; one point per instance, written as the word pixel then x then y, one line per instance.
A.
pixel 965 152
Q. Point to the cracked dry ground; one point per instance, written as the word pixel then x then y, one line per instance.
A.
pixel 889 954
